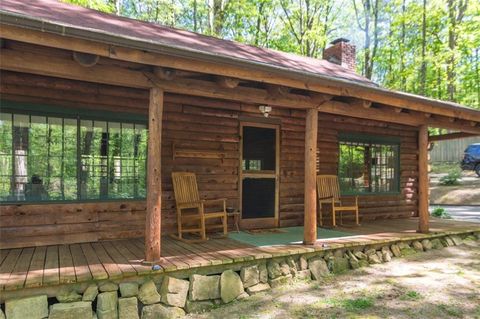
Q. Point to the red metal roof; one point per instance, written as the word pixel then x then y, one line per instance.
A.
pixel 78 17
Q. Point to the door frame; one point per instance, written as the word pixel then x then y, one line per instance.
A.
pixel 270 222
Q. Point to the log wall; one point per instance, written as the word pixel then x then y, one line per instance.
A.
pixel 192 123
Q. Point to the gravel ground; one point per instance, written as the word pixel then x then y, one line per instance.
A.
pixel 436 284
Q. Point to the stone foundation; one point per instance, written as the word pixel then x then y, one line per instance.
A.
pixel 164 296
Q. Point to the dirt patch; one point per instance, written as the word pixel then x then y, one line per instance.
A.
pixel 436 284
pixel 466 193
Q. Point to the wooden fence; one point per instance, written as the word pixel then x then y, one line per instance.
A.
pixel 451 150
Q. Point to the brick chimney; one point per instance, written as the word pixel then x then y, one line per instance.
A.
pixel 341 52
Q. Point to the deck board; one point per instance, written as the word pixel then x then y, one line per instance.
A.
pixel 20 271
pixel 35 272
pixel 51 273
pixel 7 265
pixel 83 262
pixel 96 267
pixel 66 269
pixel 82 271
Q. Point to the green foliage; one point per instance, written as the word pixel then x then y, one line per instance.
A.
pixel 411 295
pixel 440 212
pixel 451 179
pixel 451 310
pixel 357 304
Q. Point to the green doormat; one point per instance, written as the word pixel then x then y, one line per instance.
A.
pixel 288 235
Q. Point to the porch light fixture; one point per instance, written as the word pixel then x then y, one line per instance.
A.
pixel 265 109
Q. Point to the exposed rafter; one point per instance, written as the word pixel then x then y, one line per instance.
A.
pixel 116 75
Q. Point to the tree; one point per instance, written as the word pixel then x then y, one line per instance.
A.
pixel 367 20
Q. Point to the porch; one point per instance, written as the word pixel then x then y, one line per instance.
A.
pixel 45 268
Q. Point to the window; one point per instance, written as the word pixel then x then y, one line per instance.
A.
pixel 368 165
pixel 52 158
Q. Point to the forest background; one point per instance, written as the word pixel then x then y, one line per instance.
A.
pixel 426 47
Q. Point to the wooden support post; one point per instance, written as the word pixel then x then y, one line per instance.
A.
pixel 310 201
pixel 154 177
pixel 423 184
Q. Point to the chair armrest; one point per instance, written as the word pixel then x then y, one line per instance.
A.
pixel 322 198
pixel 189 205
pixel 209 201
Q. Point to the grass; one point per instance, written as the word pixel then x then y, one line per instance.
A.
pixel 440 168
pixel 411 295
pixel 357 304
pixel 451 310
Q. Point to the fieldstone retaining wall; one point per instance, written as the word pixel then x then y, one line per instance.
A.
pixel 165 296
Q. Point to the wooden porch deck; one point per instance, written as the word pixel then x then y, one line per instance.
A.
pixel 63 264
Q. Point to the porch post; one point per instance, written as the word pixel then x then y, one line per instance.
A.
pixel 154 176
pixel 423 186
pixel 310 200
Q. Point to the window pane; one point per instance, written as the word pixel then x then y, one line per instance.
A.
pixel 54 158
pixel 6 159
pixel 368 167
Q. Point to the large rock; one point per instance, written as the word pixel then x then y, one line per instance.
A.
pixel 107 305
pixel 280 281
pixel 456 240
pixel 90 293
pixel 427 245
pixel 204 287
pixel 408 251
pixel 273 269
pixel 293 266
pixel 199 306
pixel 128 308
pixel 29 307
pixel 436 244
pixel 263 273
pixel 447 241
pixel 303 263
pixel 108 286
pixel 231 286
pixel 250 276
pixel 174 291
pixel 370 251
pixel 68 295
pixel 159 311
pixel 128 289
pixel 374 259
pixel 339 265
pixel 386 256
pixel 396 250
pixel 285 268
pixel 360 255
pixel 72 310
pixel 148 293
pixel 318 268
pixel 257 288
pixel 417 246
pixel 303 274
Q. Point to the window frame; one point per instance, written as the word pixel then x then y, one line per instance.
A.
pixel 32 109
pixel 356 137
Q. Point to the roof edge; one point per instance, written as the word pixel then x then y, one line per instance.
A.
pixel 23 21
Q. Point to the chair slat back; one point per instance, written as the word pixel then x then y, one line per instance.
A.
pixel 185 187
pixel 327 186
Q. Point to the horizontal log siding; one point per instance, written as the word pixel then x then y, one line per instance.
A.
pixel 199 124
pixel 373 206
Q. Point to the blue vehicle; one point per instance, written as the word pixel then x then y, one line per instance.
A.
pixel 471 160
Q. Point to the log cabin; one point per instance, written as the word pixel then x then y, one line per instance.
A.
pixel 98 110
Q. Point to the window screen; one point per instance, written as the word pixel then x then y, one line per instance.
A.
pixel 50 158
pixel 368 167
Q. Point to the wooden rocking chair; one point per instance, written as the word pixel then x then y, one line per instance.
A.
pixel 328 191
pixel 187 198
